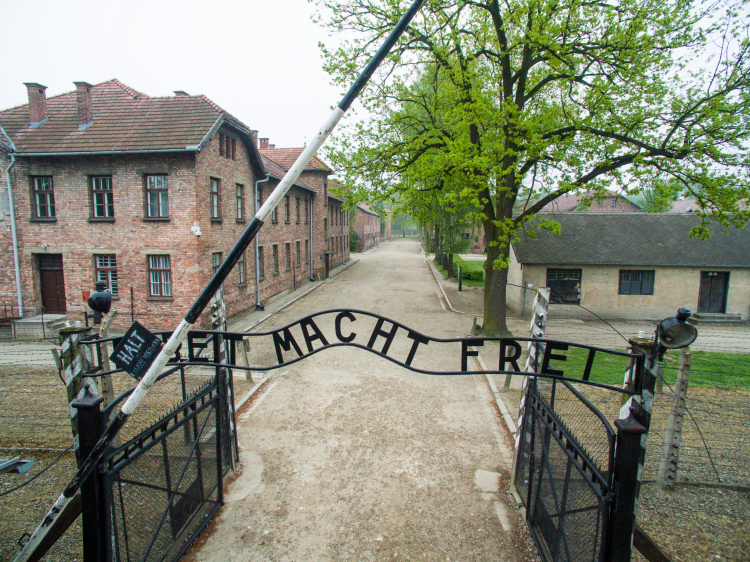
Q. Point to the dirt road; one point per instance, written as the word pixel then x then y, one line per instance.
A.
pixel 347 456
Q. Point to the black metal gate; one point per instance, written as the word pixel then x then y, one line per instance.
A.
pixel 163 486
pixel 566 486
pixel 160 485
pixel 577 477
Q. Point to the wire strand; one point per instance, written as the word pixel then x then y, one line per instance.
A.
pixel 29 481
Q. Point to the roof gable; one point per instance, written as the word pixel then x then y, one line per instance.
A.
pixel 634 239
pixel 286 157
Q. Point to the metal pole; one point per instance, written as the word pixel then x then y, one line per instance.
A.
pixel 90 429
pixel 622 520
pixel 180 333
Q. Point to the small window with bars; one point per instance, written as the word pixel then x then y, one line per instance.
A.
pixel 106 270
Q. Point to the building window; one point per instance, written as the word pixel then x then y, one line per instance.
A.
pixel 297 208
pixel 275 259
pixel 241 269
pixel 565 286
pixel 261 264
pixel 215 214
pixel 307 251
pixel 221 144
pixel 106 270
pixel 240 202
pixel 157 197
pixel 307 211
pixel 286 209
pixel 636 282
pixel 159 276
pixel 275 214
pixel 260 200
pixel 215 262
pixel 44 198
pixel 234 148
pixel 288 257
pixel 299 254
pixel 102 200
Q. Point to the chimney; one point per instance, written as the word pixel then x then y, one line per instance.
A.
pixel 181 94
pixel 254 134
pixel 264 144
pixel 37 103
pixel 271 146
pixel 85 108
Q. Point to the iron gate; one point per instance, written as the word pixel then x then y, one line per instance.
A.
pixel 579 491
pixel 565 479
pixel 160 484
pixel 166 483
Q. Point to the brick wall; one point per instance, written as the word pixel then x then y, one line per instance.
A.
pixel 7 269
pixel 280 233
pixel 218 235
pixel 367 225
pixel 129 237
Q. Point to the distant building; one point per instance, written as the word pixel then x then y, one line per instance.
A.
pixel 330 222
pixel 610 203
pixel 367 225
pixel 640 266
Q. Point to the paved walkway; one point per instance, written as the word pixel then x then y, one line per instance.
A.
pixel 347 456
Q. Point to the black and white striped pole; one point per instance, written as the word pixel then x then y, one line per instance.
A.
pixel 32 549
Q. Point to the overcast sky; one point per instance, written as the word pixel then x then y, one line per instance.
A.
pixel 257 59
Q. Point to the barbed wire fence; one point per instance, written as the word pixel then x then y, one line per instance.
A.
pixel 704 514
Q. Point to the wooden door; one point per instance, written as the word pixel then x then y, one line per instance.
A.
pixel 52 283
pixel 712 296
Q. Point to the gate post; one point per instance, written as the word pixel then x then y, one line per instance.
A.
pixel 625 480
pixel 92 499
pixel 76 359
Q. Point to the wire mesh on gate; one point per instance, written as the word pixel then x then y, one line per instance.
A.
pixel 163 491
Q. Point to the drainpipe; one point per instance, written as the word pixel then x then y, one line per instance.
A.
pixel 343 238
pixel 312 252
pixel 257 257
pixel 15 237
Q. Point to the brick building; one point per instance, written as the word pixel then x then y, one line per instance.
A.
pixel 367 225
pixel 147 194
pixel 330 222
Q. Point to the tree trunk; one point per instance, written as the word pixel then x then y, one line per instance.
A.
pixel 495 285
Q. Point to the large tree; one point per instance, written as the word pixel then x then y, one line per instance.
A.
pixel 502 107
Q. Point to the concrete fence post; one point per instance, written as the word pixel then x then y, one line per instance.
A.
pixel 533 364
pixel 673 436
pixel 76 360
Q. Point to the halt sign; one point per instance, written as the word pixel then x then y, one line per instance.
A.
pixel 136 351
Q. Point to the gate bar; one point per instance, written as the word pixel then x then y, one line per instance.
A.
pixel 30 549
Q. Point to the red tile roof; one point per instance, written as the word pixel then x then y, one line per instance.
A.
pixel 286 157
pixel 125 120
pixel 275 171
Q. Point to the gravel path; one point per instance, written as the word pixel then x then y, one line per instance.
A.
pixel 349 457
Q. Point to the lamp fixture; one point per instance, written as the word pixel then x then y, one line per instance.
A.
pixel 676 333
